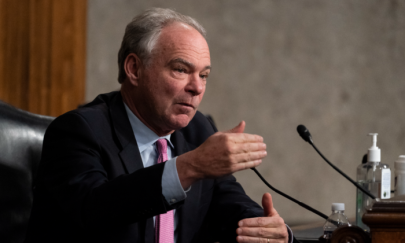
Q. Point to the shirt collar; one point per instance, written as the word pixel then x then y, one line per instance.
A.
pixel 143 135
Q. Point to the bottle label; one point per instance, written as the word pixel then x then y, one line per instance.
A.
pixel 385 184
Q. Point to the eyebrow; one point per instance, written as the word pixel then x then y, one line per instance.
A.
pixel 187 63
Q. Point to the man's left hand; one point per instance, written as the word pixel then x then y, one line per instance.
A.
pixel 270 228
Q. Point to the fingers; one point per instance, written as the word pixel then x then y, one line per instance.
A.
pixel 246 165
pixel 246 147
pixel 242 151
pixel 248 156
pixel 249 239
pixel 262 232
pixel 262 229
pixel 221 154
pixel 243 138
pixel 267 203
pixel 262 222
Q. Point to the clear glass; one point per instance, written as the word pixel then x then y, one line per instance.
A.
pixel 335 220
pixel 369 177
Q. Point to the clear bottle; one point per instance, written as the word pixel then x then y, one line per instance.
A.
pixel 373 176
pixel 400 176
pixel 335 220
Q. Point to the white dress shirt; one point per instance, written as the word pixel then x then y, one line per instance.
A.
pixel 146 140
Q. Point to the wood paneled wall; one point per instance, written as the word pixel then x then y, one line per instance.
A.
pixel 43 54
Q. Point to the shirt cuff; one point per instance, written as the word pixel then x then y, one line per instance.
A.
pixel 171 186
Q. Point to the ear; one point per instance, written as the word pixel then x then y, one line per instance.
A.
pixel 133 66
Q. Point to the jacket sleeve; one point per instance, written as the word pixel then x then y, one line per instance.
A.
pixel 73 179
pixel 229 204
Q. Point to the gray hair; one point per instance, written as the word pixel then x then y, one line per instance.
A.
pixel 142 33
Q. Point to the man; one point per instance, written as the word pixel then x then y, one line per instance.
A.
pixel 100 178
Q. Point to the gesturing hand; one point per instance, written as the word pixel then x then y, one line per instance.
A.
pixel 270 228
pixel 221 154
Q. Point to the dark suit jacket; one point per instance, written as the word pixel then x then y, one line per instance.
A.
pixel 92 187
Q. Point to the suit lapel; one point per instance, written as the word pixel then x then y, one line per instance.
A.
pixel 132 161
pixel 130 156
pixel 188 212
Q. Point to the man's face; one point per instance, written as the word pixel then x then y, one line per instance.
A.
pixel 172 86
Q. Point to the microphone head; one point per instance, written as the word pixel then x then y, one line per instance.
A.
pixel 304 133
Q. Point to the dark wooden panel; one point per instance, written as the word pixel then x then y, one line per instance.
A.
pixel 2 46
pixel 42 58
pixel 14 51
pixel 39 56
pixel 66 29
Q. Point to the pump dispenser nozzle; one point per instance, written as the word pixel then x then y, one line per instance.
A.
pixel 374 153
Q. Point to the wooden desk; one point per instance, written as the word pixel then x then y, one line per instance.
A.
pixel 386 220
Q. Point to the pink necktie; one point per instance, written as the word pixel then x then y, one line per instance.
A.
pixel 164 228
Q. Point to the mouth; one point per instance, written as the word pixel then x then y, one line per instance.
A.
pixel 187 105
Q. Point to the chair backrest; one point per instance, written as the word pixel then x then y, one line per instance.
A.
pixel 21 137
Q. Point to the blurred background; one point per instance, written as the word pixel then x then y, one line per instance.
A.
pixel 337 67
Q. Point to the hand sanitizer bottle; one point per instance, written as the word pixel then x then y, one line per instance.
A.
pixel 374 176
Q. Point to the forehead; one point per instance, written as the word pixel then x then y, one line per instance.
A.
pixel 179 40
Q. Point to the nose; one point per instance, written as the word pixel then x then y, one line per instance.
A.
pixel 196 85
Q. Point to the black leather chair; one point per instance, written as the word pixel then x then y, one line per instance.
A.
pixel 21 136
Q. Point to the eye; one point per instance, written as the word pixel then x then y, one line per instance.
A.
pixel 180 70
pixel 204 76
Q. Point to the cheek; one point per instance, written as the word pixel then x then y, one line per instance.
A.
pixel 168 87
pixel 171 91
pixel 160 91
pixel 153 99
pixel 174 92
pixel 164 97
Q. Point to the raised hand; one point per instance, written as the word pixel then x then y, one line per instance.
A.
pixel 270 228
pixel 221 154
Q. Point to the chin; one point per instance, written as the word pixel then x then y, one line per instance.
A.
pixel 181 121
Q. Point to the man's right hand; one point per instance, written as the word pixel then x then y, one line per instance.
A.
pixel 221 154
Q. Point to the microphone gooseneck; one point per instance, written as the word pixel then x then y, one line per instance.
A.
pixel 288 197
pixel 304 133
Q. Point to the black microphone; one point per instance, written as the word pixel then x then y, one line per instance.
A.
pixel 304 133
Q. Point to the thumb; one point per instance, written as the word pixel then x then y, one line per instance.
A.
pixel 238 129
pixel 267 203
